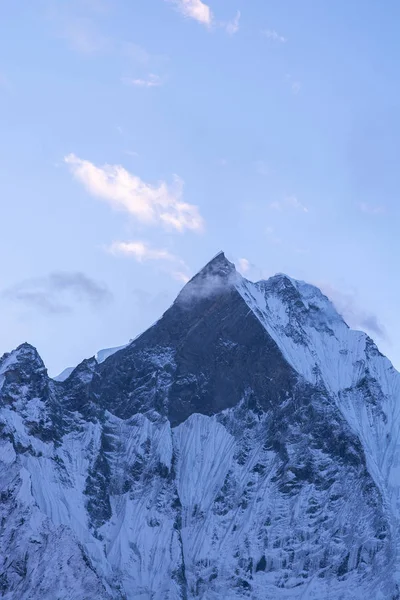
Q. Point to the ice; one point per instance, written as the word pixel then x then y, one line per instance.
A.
pixel 102 355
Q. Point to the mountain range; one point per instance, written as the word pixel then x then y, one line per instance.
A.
pixel 246 446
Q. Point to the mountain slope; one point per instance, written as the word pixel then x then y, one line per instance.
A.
pixel 245 446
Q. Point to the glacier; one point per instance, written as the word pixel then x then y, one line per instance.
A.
pixel 245 446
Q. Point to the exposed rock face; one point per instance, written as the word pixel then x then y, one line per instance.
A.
pixel 245 446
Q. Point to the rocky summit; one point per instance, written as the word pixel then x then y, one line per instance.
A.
pixel 247 445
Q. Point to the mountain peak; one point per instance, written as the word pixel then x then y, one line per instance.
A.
pixel 219 265
pixel 216 275
pixel 25 353
pixel 26 349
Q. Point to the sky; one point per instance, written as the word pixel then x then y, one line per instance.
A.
pixel 138 139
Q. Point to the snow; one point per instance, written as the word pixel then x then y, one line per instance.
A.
pixel 102 355
pixel 204 451
pixel 5 363
pixel 320 346
pixel 203 502
pixel 7 453
pixel 64 374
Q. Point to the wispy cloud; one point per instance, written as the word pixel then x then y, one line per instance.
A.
pixel 144 66
pixel 372 209
pixel 243 266
pixel 194 9
pixel 136 53
pixel 180 276
pixel 295 84
pixel 289 202
pixel 205 285
pixel 159 204
pixel 248 269
pixel 232 27
pixel 76 23
pixel 139 57
pixel 83 37
pixel 355 315
pixel 150 81
pixel 143 252
pixel 201 12
pixel 274 36
pixel 58 292
pixel 294 202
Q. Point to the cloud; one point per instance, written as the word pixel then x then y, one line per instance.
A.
pixel 357 317
pixel 295 84
pixel 194 9
pixel 58 292
pixel 150 81
pixel 291 203
pixel 83 37
pixel 294 203
pixel 200 287
pixel 75 22
pixel 158 204
pixel 180 276
pixel 136 53
pixel 141 251
pixel 139 55
pixel 372 209
pixel 232 27
pixel 144 252
pixel 248 269
pixel 273 35
pixel 201 12
pixel 243 266
pixel 147 64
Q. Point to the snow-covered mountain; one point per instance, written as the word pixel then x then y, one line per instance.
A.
pixel 100 357
pixel 245 446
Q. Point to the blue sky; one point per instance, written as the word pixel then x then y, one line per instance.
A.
pixel 139 138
